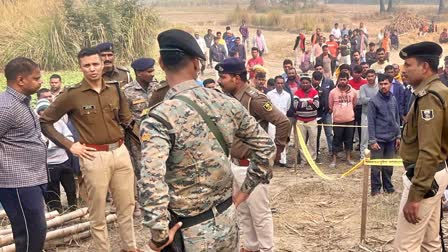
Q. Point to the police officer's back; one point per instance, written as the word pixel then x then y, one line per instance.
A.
pixel 186 169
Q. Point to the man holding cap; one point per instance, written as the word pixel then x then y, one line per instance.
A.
pixel 424 150
pixel 112 73
pixel 186 171
pixel 138 93
pixel 255 214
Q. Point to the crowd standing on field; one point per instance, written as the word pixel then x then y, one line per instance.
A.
pixel 186 154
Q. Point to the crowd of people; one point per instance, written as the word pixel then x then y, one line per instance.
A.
pixel 190 157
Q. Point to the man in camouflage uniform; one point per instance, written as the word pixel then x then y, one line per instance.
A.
pixel 424 149
pixel 185 165
pixel 254 215
pixel 137 93
pixel 110 71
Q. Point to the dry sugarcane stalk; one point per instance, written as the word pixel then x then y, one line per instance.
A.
pixel 48 216
pixel 63 232
pixel 68 239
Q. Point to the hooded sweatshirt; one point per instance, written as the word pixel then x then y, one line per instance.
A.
pixel 342 104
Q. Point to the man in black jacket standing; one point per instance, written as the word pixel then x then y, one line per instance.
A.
pixel 323 87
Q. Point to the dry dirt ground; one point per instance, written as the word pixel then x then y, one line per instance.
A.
pixel 311 214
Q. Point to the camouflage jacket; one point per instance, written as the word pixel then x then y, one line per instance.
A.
pixel 137 98
pixel 193 174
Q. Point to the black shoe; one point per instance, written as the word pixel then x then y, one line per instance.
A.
pixel 318 161
pixel 281 165
pixel 375 193
pixel 390 191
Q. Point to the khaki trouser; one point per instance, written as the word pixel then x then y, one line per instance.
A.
pixel 423 236
pixel 292 146
pixel 308 129
pixel 110 170
pixel 271 131
pixel 254 215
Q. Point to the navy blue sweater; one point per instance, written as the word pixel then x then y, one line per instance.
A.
pixel 384 118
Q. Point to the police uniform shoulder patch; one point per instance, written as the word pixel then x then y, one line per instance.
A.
pixel 252 92
pixel 422 93
pixel 112 82
pixel 122 68
pixel 146 111
pixel 160 85
pixel 127 85
pixel 267 106
pixel 68 87
pixel 427 114
pixel 145 137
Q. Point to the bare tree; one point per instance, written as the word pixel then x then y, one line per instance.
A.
pixel 389 6
pixel 382 8
pixel 441 6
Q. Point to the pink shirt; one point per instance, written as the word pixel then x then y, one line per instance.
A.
pixel 342 104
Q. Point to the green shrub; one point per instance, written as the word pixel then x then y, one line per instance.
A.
pixel 55 30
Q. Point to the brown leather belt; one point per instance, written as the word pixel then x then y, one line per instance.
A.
pixel 106 147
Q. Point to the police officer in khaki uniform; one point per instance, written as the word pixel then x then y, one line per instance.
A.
pixel 255 214
pixel 424 149
pixel 137 93
pixel 112 72
pixel 99 116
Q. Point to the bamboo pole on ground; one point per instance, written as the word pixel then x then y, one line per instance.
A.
pixel 78 236
pixel 365 189
pixel 68 233
pixel 48 216
pixel 57 221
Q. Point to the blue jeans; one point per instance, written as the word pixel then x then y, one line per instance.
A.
pixel 26 211
pixel 381 176
pixel 326 119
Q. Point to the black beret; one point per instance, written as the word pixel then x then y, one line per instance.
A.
pixel 142 64
pixel 175 40
pixel 424 49
pixel 231 65
pixel 105 47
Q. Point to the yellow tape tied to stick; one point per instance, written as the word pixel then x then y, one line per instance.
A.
pixel 366 161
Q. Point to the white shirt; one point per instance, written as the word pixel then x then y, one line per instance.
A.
pixel 336 32
pixel 202 45
pixel 282 100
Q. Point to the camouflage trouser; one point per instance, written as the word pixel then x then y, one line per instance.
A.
pixel 219 234
pixel 136 155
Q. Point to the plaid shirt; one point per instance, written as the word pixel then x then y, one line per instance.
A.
pixel 22 151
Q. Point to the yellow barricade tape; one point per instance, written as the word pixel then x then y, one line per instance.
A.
pixel 313 165
pixel 367 161
pixel 384 162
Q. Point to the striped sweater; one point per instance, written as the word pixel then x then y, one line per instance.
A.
pixel 306 104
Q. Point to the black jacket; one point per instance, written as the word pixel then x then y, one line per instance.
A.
pixel 324 92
